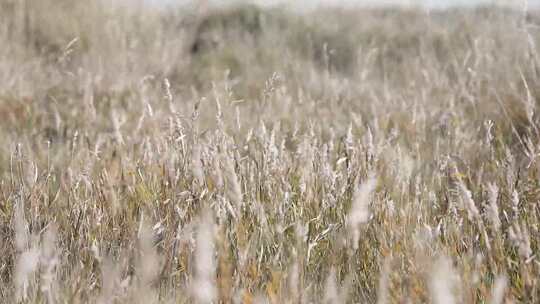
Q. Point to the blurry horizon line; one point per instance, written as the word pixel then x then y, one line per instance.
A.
pixel 317 4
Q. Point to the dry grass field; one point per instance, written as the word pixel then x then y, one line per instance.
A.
pixel 243 155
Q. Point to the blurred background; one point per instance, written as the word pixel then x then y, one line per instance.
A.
pixel 60 47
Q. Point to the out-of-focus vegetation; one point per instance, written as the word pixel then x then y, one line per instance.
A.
pixel 255 155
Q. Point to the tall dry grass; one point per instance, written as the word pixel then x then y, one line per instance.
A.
pixel 258 156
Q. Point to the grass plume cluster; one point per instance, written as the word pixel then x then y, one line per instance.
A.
pixel 261 156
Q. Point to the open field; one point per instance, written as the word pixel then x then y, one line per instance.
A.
pixel 259 156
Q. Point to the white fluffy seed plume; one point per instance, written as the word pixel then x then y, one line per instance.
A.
pixel 442 281
pixel 203 288
pixel 360 213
